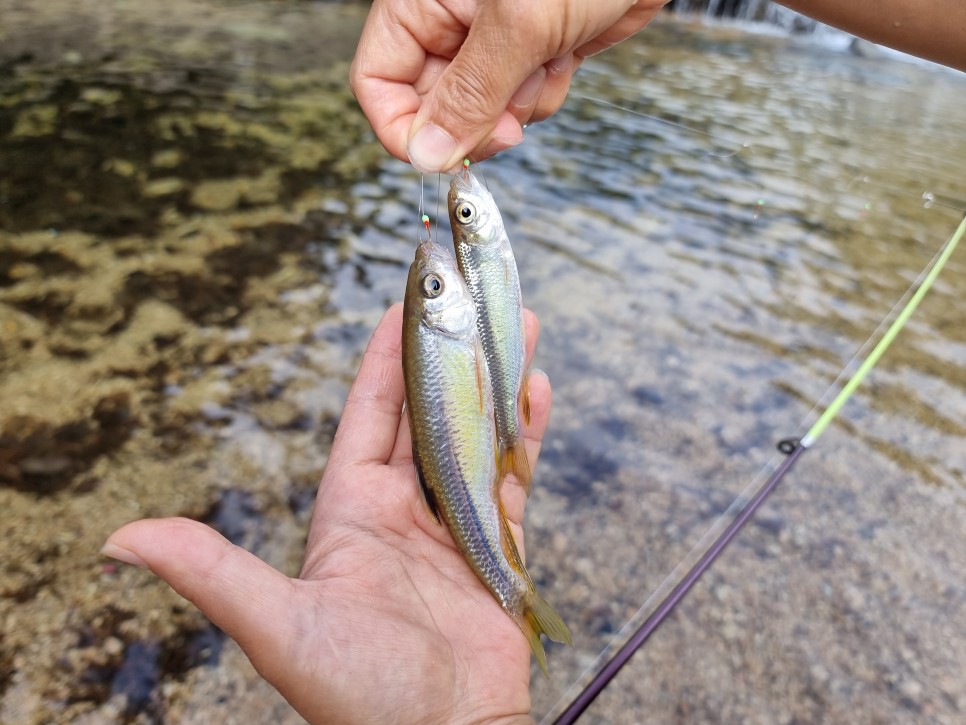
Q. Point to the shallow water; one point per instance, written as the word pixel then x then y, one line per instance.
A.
pixel 199 233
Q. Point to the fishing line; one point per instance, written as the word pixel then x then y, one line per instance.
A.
pixel 928 197
pixel 793 449
pixel 424 220
pixel 423 216
pixel 744 505
pixel 439 182
pixel 738 147
pixel 479 166
pixel 421 211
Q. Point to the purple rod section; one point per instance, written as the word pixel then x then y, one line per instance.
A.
pixel 610 670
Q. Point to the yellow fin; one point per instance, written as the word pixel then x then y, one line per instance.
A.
pixel 509 544
pixel 513 459
pixel 525 399
pixel 540 618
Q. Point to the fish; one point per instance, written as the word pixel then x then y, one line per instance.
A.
pixel 485 259
pixel 449 404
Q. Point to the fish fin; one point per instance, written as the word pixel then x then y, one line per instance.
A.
pixel 429 498
pixel 525 399
pixel 540 618
pixel 508 543
pixel 532 634
pixel 513 459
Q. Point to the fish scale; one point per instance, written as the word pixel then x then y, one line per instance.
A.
pixel 485 259
pixel 449 403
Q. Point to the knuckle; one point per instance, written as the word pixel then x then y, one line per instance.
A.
pixel 471 99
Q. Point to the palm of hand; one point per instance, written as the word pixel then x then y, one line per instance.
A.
pixel 437 641
pixel 387 622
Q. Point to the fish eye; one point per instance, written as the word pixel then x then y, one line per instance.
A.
pixel 465 213
pixel 432 286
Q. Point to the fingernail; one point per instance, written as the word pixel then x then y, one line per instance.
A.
pixel 560 64
pixel 527 93
pixel 538 371
pixel 497 145
pixel 121 554
pixel 431 149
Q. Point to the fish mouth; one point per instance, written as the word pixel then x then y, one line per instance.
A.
pixel 431 250
pixel 465 180
pixel 425 249
pixel 430 254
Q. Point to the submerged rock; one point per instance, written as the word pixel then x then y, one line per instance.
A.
pixel 157 201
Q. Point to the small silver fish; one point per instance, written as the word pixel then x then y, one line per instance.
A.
pixel 486 260
pixel 450 407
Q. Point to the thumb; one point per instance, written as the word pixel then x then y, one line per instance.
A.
pixel 236 590
pixel 467 107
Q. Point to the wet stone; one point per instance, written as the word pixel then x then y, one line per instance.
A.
pixel 165 186
pixel 218 195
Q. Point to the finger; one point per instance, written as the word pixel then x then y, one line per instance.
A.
pixel 370 419
pixel 235 589
pixel 391 61
pixel 514 495
pixel 507 133
pixel 525 97
pixel 560 72
pixel 462 110
pixel 531 333
pixel 632 22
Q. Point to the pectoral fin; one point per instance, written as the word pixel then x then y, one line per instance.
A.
pixel 429 498
pixel 525 399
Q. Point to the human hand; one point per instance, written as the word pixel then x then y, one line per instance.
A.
pixel 440 80
pixel 387 622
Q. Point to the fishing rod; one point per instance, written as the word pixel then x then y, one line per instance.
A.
pixel 793 448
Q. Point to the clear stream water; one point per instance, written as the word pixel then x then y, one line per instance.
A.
pixel 198 233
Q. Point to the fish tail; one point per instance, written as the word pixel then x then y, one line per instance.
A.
pixel 513 459
pixel 540 618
